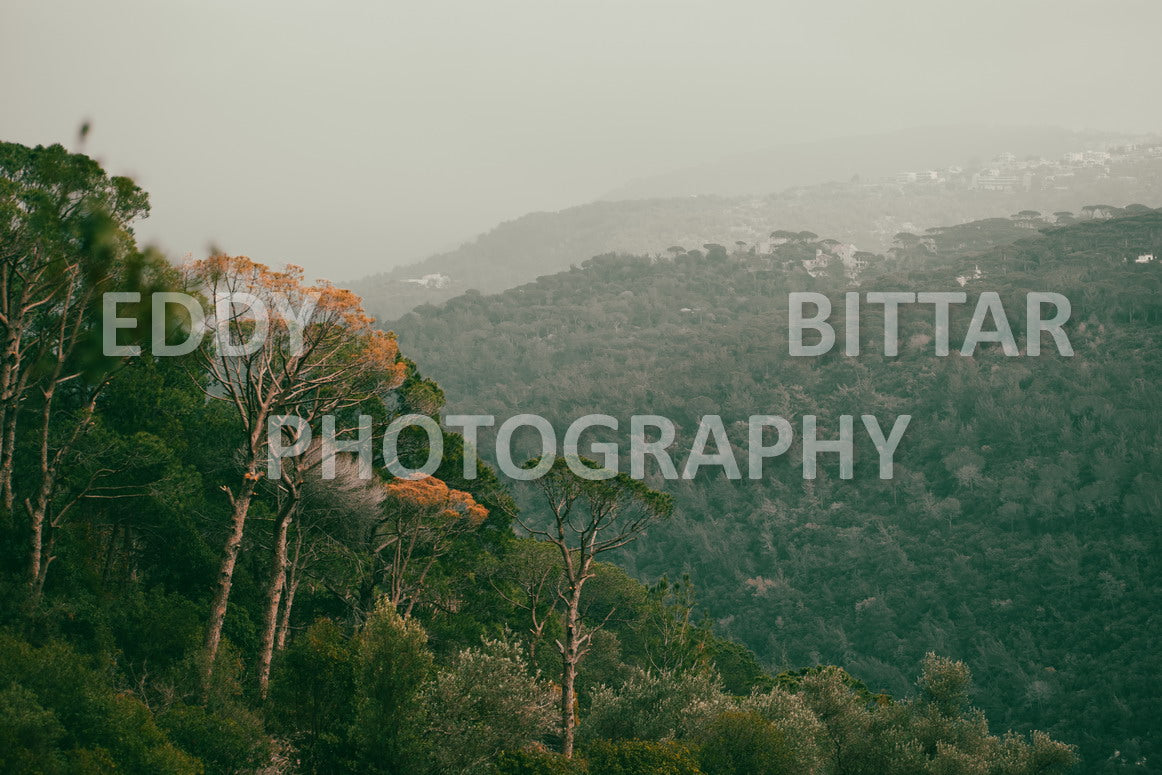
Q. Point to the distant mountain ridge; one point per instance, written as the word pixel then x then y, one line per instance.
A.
pixel 867 156
pixel 866 213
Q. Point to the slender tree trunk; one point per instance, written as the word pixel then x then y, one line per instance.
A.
pixel 50 464
pixel 225 581
pixel 10 390
pixel 46 560
pixel 292 586
pixel 284 620
pixel 41 541
pixel 418 586
pixel 7 452
pixel 274 596
pixel 570 657
pixel 7 438
pixel 538 634
pixel 35 557
pixel 38 514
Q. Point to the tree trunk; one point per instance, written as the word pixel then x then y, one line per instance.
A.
pixel 38 511
pixel 10 390
pixel 274 597
pixel 538 634
pixel 292 586
pixel 36 558
pixel 570 656
pixel 7 448
pixel 284 621
pixel 40 528
pixel 225 581
pixel 419 585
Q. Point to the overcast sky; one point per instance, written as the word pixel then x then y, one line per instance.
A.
pixel 348 137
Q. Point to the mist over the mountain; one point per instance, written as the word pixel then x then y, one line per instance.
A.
pixel 866 157
pixel 351 141
pixel 868 211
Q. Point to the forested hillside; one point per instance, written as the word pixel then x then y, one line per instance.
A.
pixel 867 213
pixel 171 601
pixel 1021 531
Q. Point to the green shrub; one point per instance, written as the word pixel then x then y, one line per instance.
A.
pixel 641 757
pixel 654 705
pixel 537 763
pixel 392 665
pixel 100 726
pixel 745 744
pixel 29 734
pixel 224 741
pixel 488 701
pixel 312 696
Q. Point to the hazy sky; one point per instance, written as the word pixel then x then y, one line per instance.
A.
pixel 348 137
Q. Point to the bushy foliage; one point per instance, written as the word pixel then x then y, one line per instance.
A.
pixel 745 744
pixel 29 734
pixel 537 762
pixel 392 665
pixel 486 701
pixel 223 741
pixel 641 757
pixel 654 705
pixel 63 714
pixel 805 735
pixel 312 695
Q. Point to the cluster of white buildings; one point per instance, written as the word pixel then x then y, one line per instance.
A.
pixel 435 280
pixel 847 254
pixel 1008 173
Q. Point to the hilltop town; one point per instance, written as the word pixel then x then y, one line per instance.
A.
pixel 1006 172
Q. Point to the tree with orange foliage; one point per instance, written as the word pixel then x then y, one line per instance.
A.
pixel 421 518
pixel 281 348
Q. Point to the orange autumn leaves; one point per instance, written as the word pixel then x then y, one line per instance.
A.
pixel 282 348
pixel 338 334
pixel 315 351
pixel 434 500
pixel 421 518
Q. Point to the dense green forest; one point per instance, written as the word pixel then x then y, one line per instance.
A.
pixel 172 604
pixel 1020 532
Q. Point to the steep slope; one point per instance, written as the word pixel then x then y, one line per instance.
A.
pixel 1021 531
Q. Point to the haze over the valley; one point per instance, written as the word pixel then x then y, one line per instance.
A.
pixel 350 138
